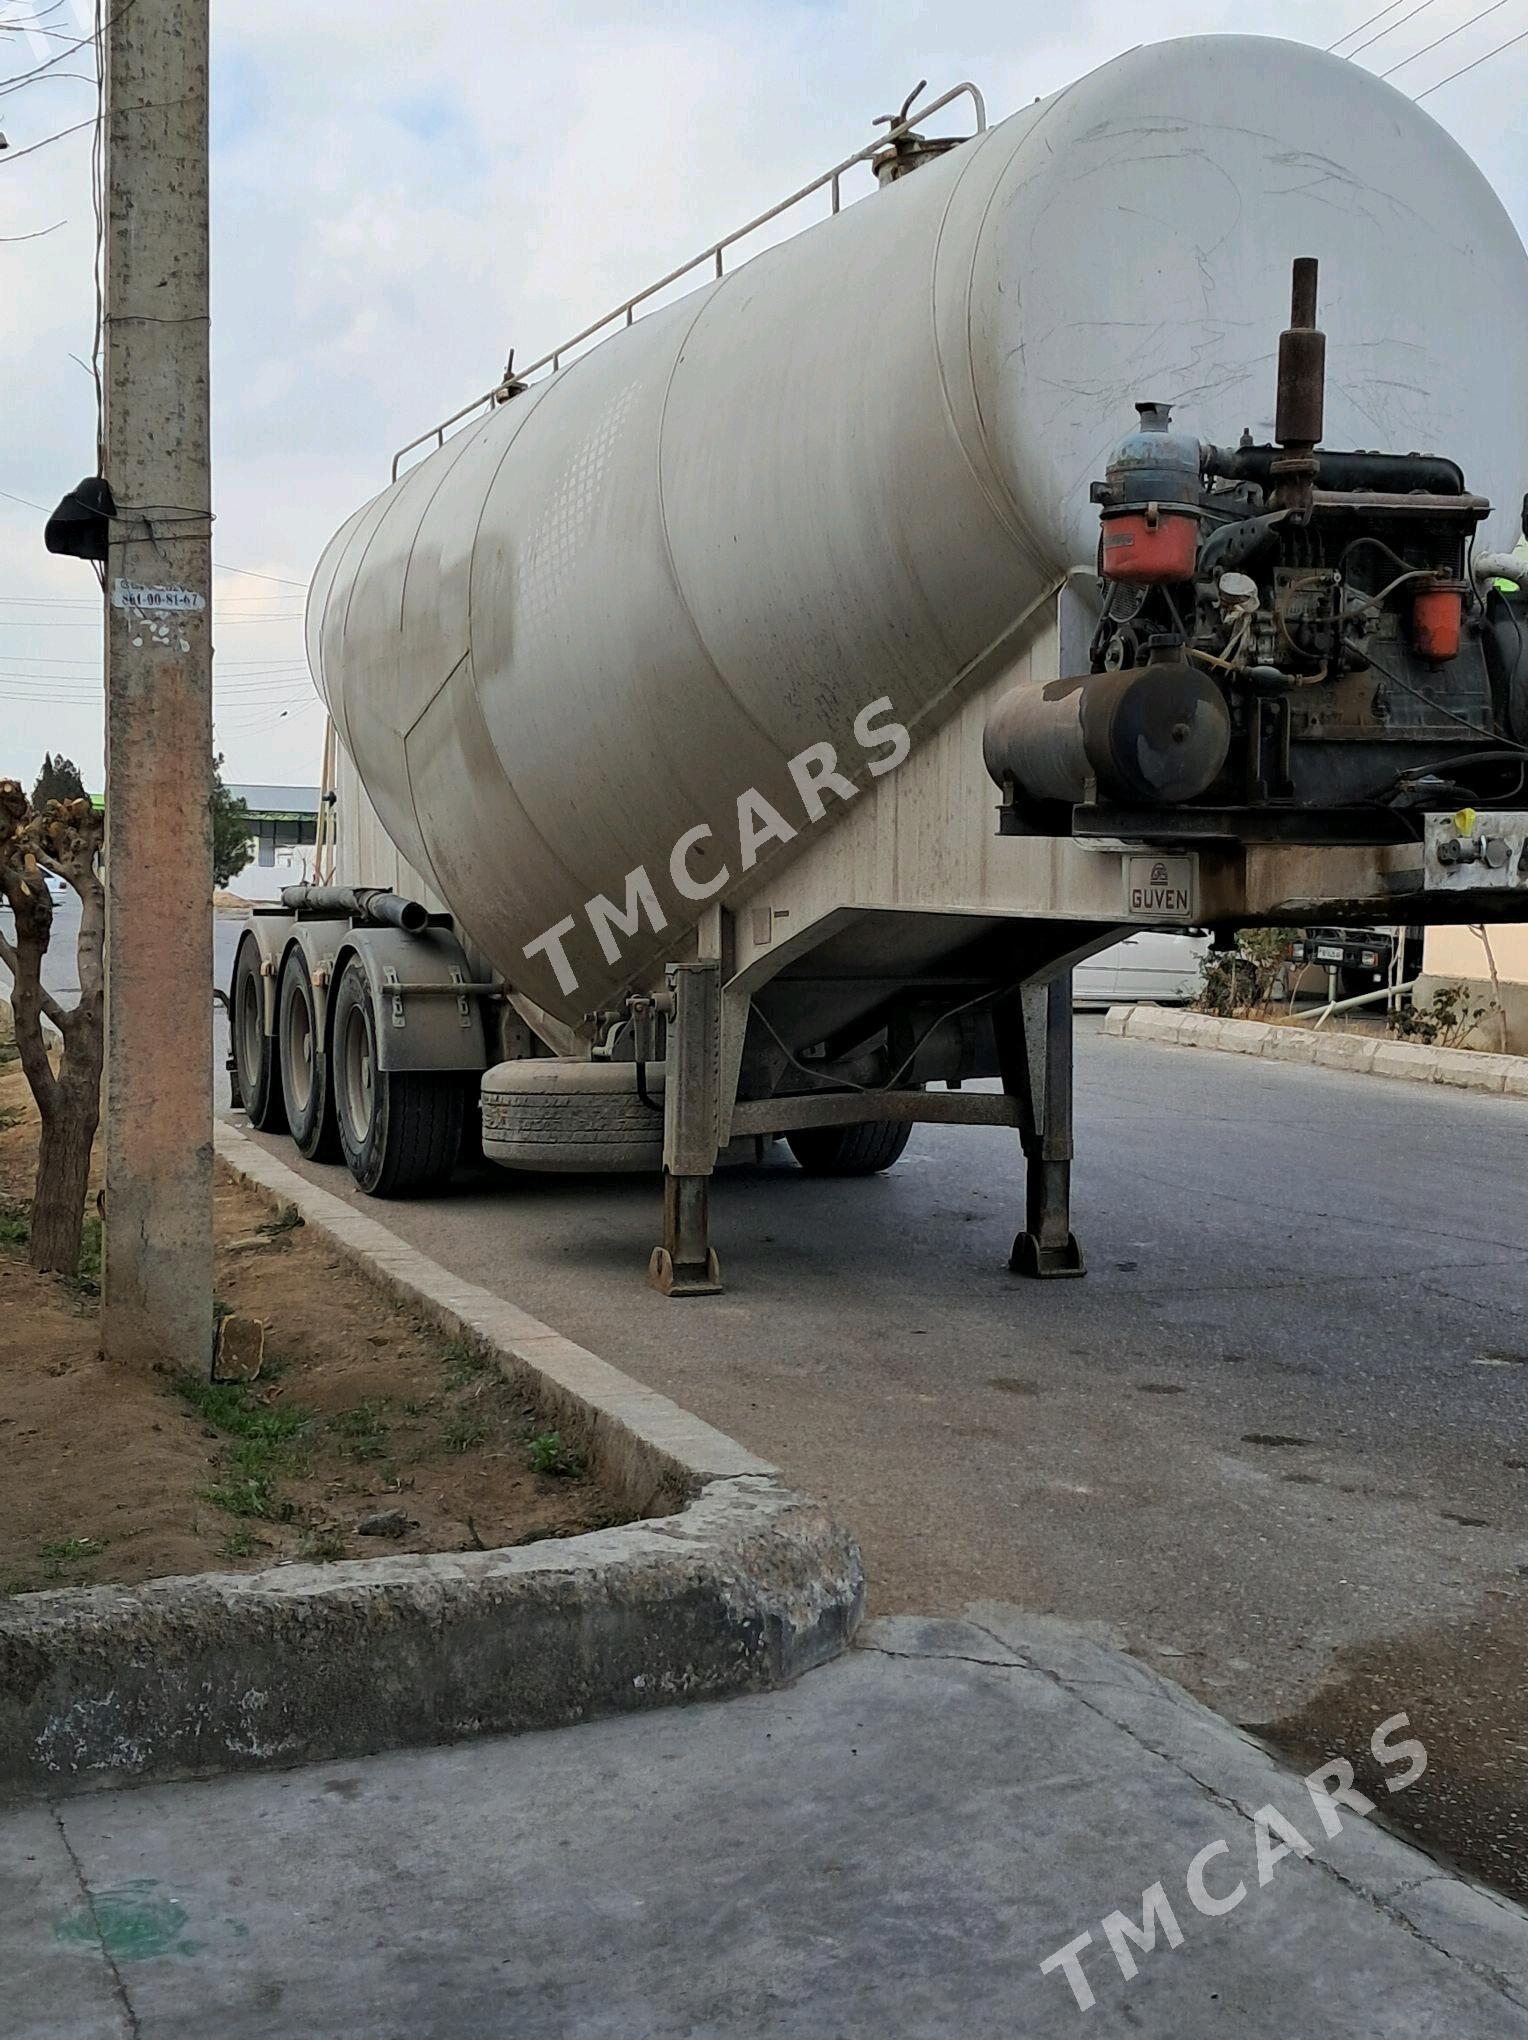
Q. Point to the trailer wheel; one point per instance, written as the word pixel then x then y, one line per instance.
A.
pixel 863 1150
pixel 400 1130
pixel 303 1064
pixel 255 1060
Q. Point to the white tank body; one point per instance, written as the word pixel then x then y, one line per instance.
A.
pixel 844 472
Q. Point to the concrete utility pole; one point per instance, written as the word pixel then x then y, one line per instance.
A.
pixel 157 1289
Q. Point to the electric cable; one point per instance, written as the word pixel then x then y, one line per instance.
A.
pixel 1420 96
pixel 1421 8
pixel 1439 41
pixel 1331 47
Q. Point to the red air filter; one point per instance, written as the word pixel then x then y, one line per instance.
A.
pixel 1150 544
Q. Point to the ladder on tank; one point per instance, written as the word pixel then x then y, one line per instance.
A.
pixel 899 128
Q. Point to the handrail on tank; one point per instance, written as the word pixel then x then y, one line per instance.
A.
pixel 627 308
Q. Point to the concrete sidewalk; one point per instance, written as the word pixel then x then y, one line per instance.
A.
pixel 890 1848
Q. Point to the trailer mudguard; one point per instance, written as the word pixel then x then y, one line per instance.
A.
pixel 427 1017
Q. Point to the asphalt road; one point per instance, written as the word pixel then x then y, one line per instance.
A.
pixel 1276 1442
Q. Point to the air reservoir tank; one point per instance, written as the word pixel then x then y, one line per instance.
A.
pixel 850 470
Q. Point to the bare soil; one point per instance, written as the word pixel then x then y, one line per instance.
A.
pixel 359 1408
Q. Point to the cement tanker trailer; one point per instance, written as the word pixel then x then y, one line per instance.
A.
pixel 748 715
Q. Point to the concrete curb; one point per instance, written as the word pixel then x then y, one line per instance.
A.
pixel 745 1587
pixel 1461 1069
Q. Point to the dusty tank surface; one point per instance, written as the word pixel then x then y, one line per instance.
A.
pixel 848 471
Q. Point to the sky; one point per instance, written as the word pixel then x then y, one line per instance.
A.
pixel 400 193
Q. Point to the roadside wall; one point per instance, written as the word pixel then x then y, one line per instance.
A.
pixel 1452 956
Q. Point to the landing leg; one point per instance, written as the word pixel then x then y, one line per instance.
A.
pixel 685 1264
pixel 1034 1035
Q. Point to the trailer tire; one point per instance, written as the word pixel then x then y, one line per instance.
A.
pixel 862 1150
pixel 400 1130
pixel 303 1064
pixel 256 1063
pixel 561 1115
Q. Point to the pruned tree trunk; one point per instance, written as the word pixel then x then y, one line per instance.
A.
pixel 65 839
pixel 63 1180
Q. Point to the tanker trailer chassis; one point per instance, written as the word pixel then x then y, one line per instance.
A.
pixel 1280 700
pixel 1286 648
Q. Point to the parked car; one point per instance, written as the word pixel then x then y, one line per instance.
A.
pixel 1161 966
pixel 1361 957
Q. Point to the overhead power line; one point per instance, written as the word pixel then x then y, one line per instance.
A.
pixel 1421 8
pixel 1362 26
pixel 1522 37
pixel 1439 41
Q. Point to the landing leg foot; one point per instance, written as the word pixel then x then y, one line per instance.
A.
pixel 704 1280
pixel 685 1265
pixel 1045 1261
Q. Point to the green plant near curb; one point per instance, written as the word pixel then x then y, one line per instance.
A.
pixel 1240 980
pixel 462 1430
pixel 228 1406
pixel 250 1494
pixel 71 1550
pixel 1446 1020
pixel 464 1362
pixel 264 1442
pixel 549 1455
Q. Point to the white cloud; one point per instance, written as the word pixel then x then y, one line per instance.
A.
pixel 402 192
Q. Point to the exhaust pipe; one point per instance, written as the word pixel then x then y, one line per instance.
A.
pixel 372 904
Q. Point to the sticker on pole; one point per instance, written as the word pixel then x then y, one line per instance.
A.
pixel 1162 888
pixel 155 601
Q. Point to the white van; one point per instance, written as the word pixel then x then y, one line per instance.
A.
pixel 1161 965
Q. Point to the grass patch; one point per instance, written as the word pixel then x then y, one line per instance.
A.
pixel 464 1362
pixel 70 1550
pixel 364 1430
pixel 250 1494
pixel 323 1544
pixel 243 1543
pixel 549 1455
pixel 15 1227
pixel 462 1430
pixel 263 1444
pixel 229 1407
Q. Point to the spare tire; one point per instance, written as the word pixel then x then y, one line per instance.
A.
pixel 862 1150
pixel 564 1115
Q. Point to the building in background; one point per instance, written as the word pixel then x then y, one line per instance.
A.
pixel 283 832
pixel 1454 956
